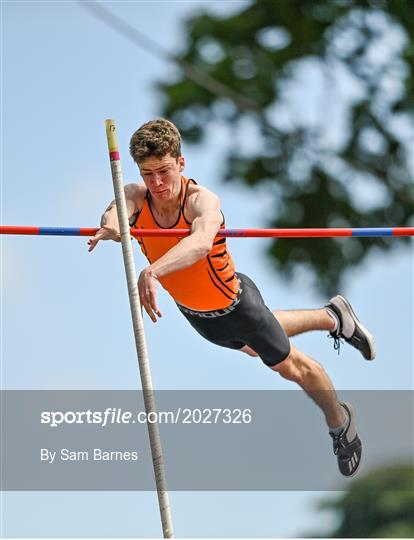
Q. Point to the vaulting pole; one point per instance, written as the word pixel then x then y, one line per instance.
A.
pixel 138 325
pixel 233 233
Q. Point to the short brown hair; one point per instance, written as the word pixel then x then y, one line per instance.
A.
pixel 155 138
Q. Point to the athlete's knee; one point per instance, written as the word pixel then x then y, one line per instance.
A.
pixel 280 356
pixel 269 353
pixel 293 367
pixel 287 368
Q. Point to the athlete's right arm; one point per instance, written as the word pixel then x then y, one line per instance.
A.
pixel 109 230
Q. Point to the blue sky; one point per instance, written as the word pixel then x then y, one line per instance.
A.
pixel 65 313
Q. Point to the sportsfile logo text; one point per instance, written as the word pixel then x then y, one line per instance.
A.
pixel 112 415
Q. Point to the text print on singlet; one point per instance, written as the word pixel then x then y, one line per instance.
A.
pixel 208 284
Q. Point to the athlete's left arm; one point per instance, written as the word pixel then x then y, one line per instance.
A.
pixel 203 209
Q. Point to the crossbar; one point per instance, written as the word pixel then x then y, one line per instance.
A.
pixel 233 233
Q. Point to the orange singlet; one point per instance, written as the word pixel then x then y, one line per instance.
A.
pixel 208 284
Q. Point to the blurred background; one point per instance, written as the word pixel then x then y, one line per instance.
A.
pixel 298 114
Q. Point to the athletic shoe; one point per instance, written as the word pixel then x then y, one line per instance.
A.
pixel 349 328
pixel 347 445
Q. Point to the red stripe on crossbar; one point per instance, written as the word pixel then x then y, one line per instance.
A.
pixel 403 231
pixel 18 229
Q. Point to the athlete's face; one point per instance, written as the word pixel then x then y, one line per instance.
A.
pixel 162 176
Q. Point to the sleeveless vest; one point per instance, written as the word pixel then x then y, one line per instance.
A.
pixel 208 284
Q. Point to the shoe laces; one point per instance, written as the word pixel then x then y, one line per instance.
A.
pixel 338 341
pixel 339 441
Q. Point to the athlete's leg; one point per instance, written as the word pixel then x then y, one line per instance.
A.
pixel 298 321
pixel 311 376
pixel 337 317
pixel 340 417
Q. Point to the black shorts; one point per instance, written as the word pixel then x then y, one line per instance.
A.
pixel 246 322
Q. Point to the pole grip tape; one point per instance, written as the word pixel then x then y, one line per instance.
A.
pixel 112 140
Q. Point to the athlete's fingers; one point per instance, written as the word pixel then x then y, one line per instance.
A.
pixel 142 298
pixel 147 289
pixel 92 242
pixel 104 233
pixel 145 305
pixel 152 304
pixel 151 314
pixel 145 302
pixel 152 296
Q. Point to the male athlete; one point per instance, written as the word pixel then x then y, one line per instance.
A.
pixel 223 305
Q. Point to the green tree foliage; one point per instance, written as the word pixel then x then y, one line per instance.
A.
pixel 379 505
pixel 323 90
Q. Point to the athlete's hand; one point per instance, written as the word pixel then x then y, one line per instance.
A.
pixel 147 288
pixel 104 233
